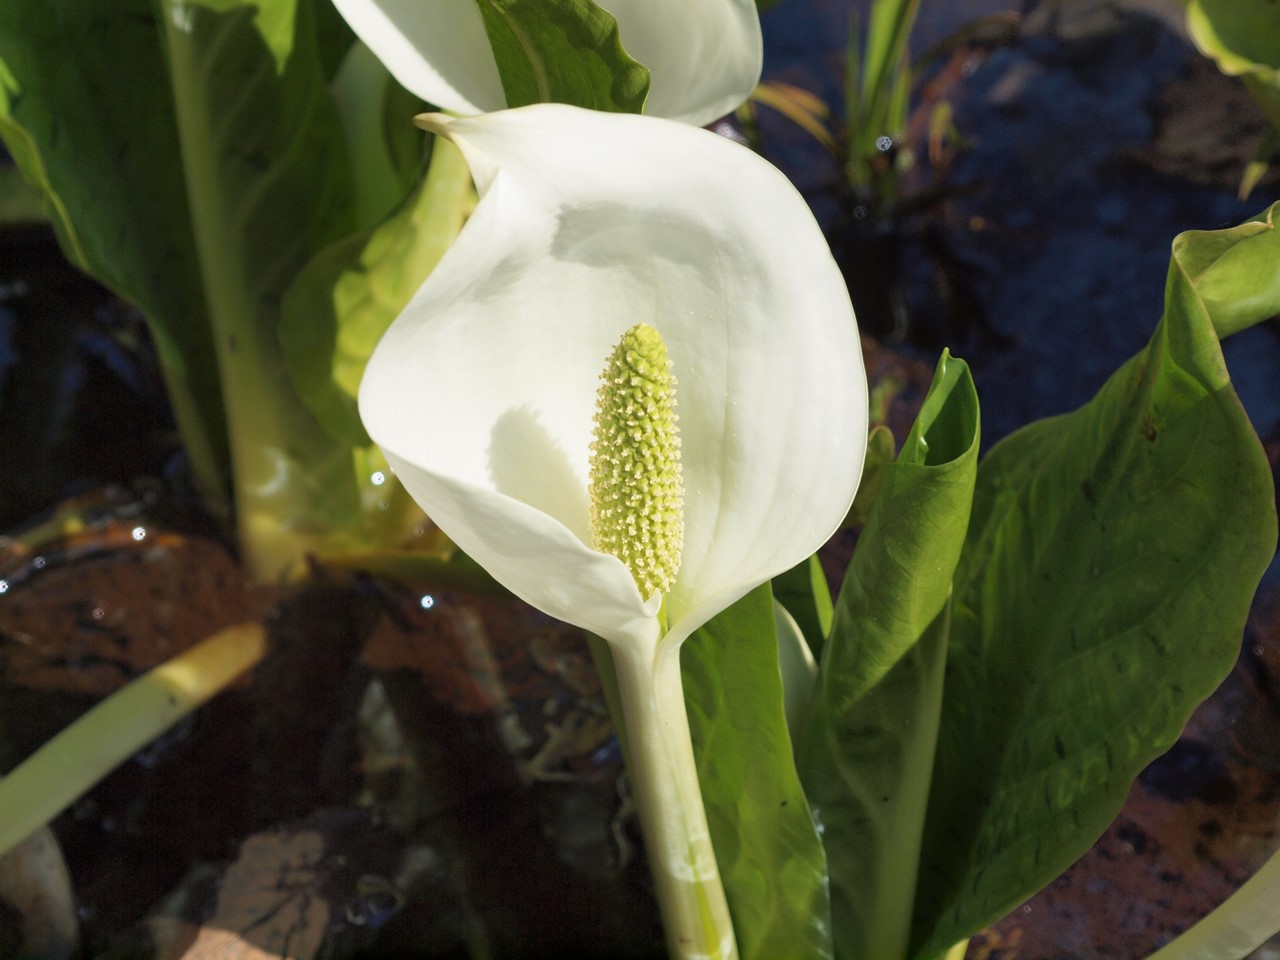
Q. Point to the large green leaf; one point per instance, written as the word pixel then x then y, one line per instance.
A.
pixel 1110 563
pixel 867 753
pixel 563 51
pixel 768 850
pixel 97 141
pixel 342 302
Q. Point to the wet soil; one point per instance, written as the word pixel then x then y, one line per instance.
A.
pixel 474 727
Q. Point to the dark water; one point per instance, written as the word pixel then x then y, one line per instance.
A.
pixel 1068 265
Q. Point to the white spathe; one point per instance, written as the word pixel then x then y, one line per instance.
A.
pixel 703 56
pixel 482 392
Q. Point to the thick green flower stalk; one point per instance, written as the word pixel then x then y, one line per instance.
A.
pixel 637 514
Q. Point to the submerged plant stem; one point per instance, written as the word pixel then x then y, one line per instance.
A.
pixel 53 777
pixel 664 784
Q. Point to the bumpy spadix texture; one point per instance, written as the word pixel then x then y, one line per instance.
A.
pixel 636 487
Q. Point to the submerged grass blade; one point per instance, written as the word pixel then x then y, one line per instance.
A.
pixel 57 774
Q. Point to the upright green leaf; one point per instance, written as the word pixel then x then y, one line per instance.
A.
pixel 342 302
pixel 563 51
pixel 770 857
pixel 1110 563
pixel 1236 272
pixel 97 141
pixel 867 752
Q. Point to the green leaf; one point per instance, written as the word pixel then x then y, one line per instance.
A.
pixel 342 302
pixel 880 453
pixel 384 147
pixel 98 143
pixel 562 51
pixel 868 750
pixel 1235 272
pixel 1110 563
pixel 769 853
pixel 20 203
pixel 803 591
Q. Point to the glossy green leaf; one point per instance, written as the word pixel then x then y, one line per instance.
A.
pixel 1111 560
pixel 342 302
pixel 769 853
pixel 867 753
pixel 87 136
pixel 562 51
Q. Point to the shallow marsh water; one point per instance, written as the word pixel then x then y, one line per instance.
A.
pixel 1094 136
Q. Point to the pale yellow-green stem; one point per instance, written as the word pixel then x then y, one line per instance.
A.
pixel 664 785
pixel 56 775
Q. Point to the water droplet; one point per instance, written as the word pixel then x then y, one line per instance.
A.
pixel 1026 908
pixel 884 143
pixel 427 601
pixel 39 563
pixel 139 533
pixel 4 586
pixel 98 613
pixel 1257 647
pixel 378 478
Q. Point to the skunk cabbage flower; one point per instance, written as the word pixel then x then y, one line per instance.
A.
pixel 482 393
pixel 633 391
pixel 703 56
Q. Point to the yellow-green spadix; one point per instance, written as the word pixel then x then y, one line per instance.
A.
pixel 483 394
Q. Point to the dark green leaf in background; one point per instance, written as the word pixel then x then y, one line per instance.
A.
pixel 867 752
pixel 803 591
pixel 1111 559
pixel 562 51
pixel 343 300
pixel 768 850
pixel 98 142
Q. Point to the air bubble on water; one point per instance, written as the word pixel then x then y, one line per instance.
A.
pixel 4 586
pixel 427 601
pixel 39 563
pixel 884 143
pixel 378 478
pixel 139 533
